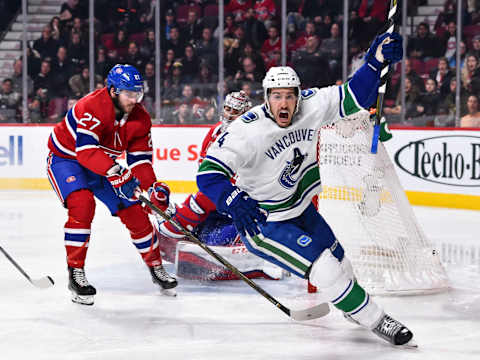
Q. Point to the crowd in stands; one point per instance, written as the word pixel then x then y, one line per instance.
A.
pixel 124 33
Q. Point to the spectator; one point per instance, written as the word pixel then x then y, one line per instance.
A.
pixel 169 24
pixel 69 10
pixel 147 50
pixel 372 14
pixel 429 102
pixel 448 40
pixel 120 44
pixel 80 83
pixel 172 92
pixel 39 107
pixel 205 82
pixel 103 64
pixel 57 29
pixel 228 27
pixel 450 99
pixel 310 65
pixel 46 45
pixel 469 71
pixel 472 119
pixel 476 46
pixel 207 47
pixel 192 29
pixel 175 43
pixel 77 52
pixel 417 82
pixel 17 78
pixel 10 102
pixel 442 75
pixel 43 80
pixel 190 64
pixel 265 11
pixel 463 53
pixel 301 40
pixel 449 14
pixel 168 63
pixel 63 70
pixel 209 115
pixel 149 87
pixel 248 51
pixel 331 49
pixel 423 46
pixel 248 73
pixel 272 43
pixel 238 8
pixel 411 101
pixel 133 56
pixel 182 115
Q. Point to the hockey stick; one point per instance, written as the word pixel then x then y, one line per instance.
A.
pixel 299 315
pixel 42 283
pixel 384 76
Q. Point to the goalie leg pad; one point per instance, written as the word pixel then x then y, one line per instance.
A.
pixel 141 232
pixel 192 212
pixel 337 282
pixel 81 209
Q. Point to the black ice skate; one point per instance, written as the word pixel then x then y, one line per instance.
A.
pixel 394 332
pixel 82 291
pixel 162 278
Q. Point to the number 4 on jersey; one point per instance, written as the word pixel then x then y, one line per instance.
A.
pixel 222 139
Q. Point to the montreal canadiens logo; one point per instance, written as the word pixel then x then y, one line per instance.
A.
pixel 71 179
pixel 289 176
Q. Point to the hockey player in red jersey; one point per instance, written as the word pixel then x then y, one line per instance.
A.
pixel 82 165
pixel 196 208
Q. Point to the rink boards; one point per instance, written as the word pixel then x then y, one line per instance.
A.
pixel 437 167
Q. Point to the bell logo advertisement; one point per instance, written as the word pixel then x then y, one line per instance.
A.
pixel 11 151
pixel 449 160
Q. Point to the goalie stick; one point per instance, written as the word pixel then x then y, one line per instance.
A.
pixel 299 315
pixel 42 283
pixel 384 76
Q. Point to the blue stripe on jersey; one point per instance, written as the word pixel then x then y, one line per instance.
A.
pixel 85 139
pixel 71 120
pixel 341 98
pixel 232 173
pixel 144 244
pixel 132 159
pixel 76 237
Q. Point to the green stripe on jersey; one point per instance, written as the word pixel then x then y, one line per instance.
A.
pixel 349 103
pixel 310 177
pixel 208 165
pixel 288 259
pixel 353 300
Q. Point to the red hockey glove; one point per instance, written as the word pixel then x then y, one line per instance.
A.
pixel 123 182
pixel 159 194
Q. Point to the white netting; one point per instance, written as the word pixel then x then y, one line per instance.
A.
pixel 368 210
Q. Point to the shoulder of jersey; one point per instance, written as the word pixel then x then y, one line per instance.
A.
pixel 252 115
pixel 309 93
pixel 98 103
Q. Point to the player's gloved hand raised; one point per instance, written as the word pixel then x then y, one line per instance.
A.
pixel 385 47
pixel 159 194
pixel 123 182
pixel 245 213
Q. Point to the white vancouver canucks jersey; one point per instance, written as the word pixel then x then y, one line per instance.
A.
pixel 278 166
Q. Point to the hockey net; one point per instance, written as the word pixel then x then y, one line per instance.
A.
pixel 366 206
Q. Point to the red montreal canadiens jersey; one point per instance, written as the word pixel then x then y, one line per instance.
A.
pixel 209 139
pixel 90 134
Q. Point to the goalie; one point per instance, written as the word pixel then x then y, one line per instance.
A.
pixel 197 214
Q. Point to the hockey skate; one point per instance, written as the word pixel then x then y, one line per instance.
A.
pixel 162 278
pixel 82 291
pixel 394 332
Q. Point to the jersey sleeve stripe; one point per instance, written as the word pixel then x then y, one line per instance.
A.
pixel 207 166
pixel 220 163
pixel 86 147
pixel 136 153
pixel 133 159
pixel 136 163
pixel 71 124
pixel 88 132
pixel 85 140
pixel 60 147
pixel 340 91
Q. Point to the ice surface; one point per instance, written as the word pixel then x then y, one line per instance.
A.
pixel 222 320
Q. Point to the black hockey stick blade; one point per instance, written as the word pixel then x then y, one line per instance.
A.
pixel 42 283
pixel 299 315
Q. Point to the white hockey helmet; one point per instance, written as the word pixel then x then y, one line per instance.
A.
pixel 281 77
pixel 237 101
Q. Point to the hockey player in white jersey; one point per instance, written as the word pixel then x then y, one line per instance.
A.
pixel 272 150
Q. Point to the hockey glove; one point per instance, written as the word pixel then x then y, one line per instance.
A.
pixel 123 182
pixel 385 47
pixel 244 211
pixel 159 194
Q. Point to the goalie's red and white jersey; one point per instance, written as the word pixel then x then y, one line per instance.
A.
pixel 214 132
pixel 90 134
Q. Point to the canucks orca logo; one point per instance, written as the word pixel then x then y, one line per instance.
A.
pixel 287 178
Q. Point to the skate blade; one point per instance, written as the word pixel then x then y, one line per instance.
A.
pixel 169 292
pixel 82 299
pixel 409 345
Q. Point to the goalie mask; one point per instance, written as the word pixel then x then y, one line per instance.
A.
pixel 281 77
pixel 236 103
